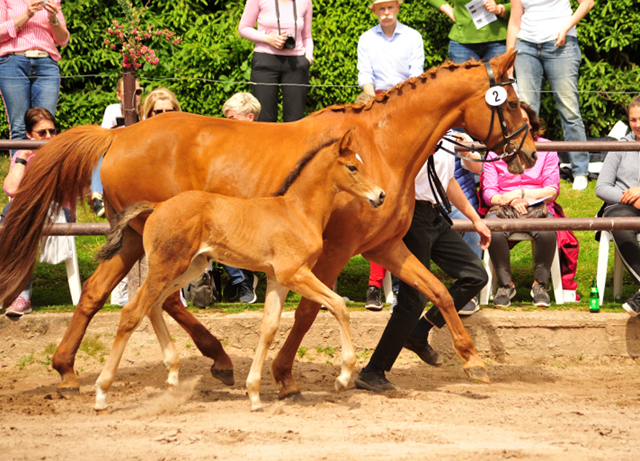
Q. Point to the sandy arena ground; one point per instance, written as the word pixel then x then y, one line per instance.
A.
pixel 544 403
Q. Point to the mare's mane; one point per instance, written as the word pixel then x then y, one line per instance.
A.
pixel 299 166
pixel 399 88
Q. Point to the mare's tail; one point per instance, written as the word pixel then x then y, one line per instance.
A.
pixel 118 225
pixel 58 174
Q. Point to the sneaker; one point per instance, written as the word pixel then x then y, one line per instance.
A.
pixel 374 381
pixel 21 306
pixel 471 307
pixel 504 296
pixel 247 290
pixel 632 305
pixel 580 183
pixel 98 207
pixel 374 300
pixel 540 295
pixel 424 350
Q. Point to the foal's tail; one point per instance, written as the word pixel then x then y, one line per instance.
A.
pixel 118 225
pixel 59 174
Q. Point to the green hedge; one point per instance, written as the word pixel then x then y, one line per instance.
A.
pixel 202 70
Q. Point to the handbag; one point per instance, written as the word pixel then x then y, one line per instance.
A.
pixel 539 210
pixel 57 249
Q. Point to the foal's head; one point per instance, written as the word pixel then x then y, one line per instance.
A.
pixel 349 173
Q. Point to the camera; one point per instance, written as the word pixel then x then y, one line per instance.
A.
pixel 290 42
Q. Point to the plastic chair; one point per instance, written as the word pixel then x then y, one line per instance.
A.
pixel 603 261
pixel 492 284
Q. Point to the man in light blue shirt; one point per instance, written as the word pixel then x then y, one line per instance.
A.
pixel 390 52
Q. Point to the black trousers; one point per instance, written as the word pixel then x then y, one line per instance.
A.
pixel 430 237
pixel 279 71
pixel 626 240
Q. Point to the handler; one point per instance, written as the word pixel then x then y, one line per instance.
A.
pixel 429 237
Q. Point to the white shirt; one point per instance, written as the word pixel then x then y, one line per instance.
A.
pixel 110 114
pixel 445 165
pixel 385 62
pixel 543 19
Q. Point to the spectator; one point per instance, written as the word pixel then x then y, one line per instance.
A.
pixel 388 54
pixel 500 188
pixel 29 72
pixel 619 186
pixel 282 54
pixel 39 124
pixel 242 283
pixel 113 117
pixel 544 33
pixel 158 101
pixel 430 237
pixel 467 40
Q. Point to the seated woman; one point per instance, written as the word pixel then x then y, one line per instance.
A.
pixel 159 101
pixel 501 188
pixel 619 186
pixel 39 124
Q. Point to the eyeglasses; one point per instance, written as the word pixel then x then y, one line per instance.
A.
pixel 138 91
pixel 160 111
pixel 44 133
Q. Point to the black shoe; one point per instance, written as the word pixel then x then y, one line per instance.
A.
pixel 247 290
pixel 504 295
pixel 424 350
pixel 540 295
pixel 632 305
pixel 373 301
pixel 230 292
pixel 98 207
pixel 374 381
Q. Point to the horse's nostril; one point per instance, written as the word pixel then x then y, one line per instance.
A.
pixel 382 196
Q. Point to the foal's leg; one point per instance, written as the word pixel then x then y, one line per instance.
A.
pixel 169 351
pixel 305 283
pixel 402 263
pixel 274 300
pixel 94 294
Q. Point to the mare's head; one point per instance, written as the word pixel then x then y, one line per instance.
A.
pixel 349 173
pixel 493 116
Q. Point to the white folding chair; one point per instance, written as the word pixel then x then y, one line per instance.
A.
pixel 603 261
pixel 492 284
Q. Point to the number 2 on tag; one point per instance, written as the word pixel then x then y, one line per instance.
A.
pixel 495 96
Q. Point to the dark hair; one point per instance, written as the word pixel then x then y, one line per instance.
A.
pixel 34 116
pixel 537 124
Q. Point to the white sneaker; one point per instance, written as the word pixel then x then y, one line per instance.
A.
pixel 580 183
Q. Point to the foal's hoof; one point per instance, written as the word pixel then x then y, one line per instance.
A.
pixel 226 376
pixel 67 392
pixel 477 373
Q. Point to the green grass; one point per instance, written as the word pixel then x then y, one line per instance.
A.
pixel 51 292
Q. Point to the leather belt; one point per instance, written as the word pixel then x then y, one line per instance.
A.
pixel 32 54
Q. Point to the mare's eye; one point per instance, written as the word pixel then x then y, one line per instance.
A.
pixel 352 168
pixel 513 105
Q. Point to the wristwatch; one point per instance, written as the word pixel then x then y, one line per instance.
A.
pixel 21 160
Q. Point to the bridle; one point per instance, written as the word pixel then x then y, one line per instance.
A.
pixel 506 136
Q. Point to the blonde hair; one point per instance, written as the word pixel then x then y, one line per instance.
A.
pixel 243 104
pixel 634 103
pixel 159 94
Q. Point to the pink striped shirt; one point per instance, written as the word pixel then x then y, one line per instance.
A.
pixel 496 179
pixel 264 13
pixel 36 34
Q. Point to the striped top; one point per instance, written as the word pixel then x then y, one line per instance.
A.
pixel 35 34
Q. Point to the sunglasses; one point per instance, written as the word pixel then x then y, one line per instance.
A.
pixel 138 91
pixel 43 133
pixel 160 111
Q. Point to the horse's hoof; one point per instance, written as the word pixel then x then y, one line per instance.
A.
pixel 477 373
pixel 67 392
pixel 226 376
pixel 339 387
pixel 294 394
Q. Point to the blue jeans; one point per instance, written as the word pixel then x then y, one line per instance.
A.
pixel 96 183
pixel 472 238
pixel 560 65
pixel 460 52
pixel 237 276
pixel 26 83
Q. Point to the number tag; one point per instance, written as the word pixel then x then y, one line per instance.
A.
pixel 495 96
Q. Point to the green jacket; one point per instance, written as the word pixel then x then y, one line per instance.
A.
pixel 464 30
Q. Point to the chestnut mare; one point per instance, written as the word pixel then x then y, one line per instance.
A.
pixel 171 153
pixel 280 235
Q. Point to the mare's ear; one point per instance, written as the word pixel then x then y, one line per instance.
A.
pixel 506 61
pixel 345 142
